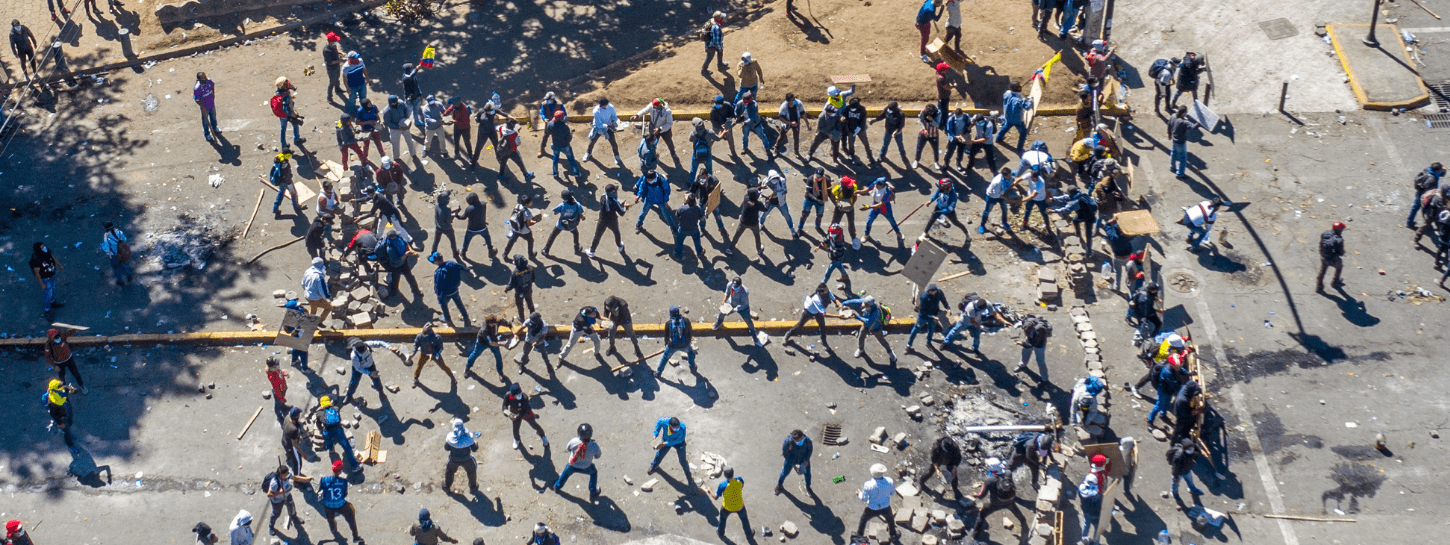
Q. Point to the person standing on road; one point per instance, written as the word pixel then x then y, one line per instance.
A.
pixel 925 16
pixel 460 445
pixel 796 450
pixel 1199 219
pixel 983 127
pixel 815 199
pixel 278 487
pixel 363 364
pixel 1425 181
pixel 1143 306
pixel 689 222
pixel 610 210
pixel 517 407
pixel 737 298
pixel 570 213
pixel 430 345
pixel 606 122
pixel 895 120
pixel 1035 332
pixel 732 501
pixel 460 116
pixel 521 283
pixel 1121 246
pixel 854 129
pixel 520 224
pixel 477 215
pixel 714 44
pixel 750 122
pixel 995 189
pixel 355 74
pixel 828 127
pixel 873 318
pixel 814 308
pixel 1331 254
pixel 432 112
pixel 395 118
pixel 443 216
pixel 45 266
pixel 582 326
pixel 944 205
pixel 661 124
pixel 281 178
pixel 836 249
pixel 114 245
pixel 792 112
pixel 204 94
pixel 284 107
pixel 347 140
pixel 332 58
pixel 701 139
pixel 679 332
pixel 277 378
pixel 616 310
pixel 1182 458
pixel 1014 107
pixel 1036 183
pixel 1188 74
pixel 1084 222
pixel 58 405
pixel 550 109
pixel 877 494
pixel 671 434
pixel 315 288
pixel 427 532
pixel 558 130
pixel 582 452
pixel 22 44
pixel 397 265
pixel 722 118
pixel 1090 492
pixel 998 492
pixel 368 117
pixel 1178 128
pixel 332 490
pixel 775 183
pixel 509 141
pixel 958 127
pixel 487 129
pixel 330 420
pixel 654 190
pixel 749 75
pixel 945 457
pixel 488 339
pixel 241 529
pixel 975 311
pixel 446 281
pixel 534 331
pixel 1163 84
pixel 843 200
pixel 58 355
pixel 413 95
pixel 929 306
pixel 750 212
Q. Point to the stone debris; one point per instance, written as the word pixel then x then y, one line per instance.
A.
pixel 879 436
pixel 789 529
pixel 649 486
pixel 906 489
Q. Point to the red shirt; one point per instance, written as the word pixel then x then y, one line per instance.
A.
pixel 278 378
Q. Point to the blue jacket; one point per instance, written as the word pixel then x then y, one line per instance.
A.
pixel 1014 105
pixel 873 320
pixel 796 454
pixel 653 194
pixel 927 13
pixel 662 428
pixel 945 202
pixel 447 278
pixel 547 109
pixel 957 126
pixel 749 111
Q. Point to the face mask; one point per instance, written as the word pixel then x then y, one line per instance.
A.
pixel 59 340
pixel 801 442
pixel 44 249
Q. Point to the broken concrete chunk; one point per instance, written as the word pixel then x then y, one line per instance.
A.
pixel 789 529
pixel 879 435
pixel 903 517
pixel 649 486
pixel 919 520
pixel 928 400
pixel 906 489
pixel 899 439
pixel 266 394
pixel 279 294
pixel 928 539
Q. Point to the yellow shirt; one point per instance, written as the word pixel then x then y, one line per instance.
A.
pixel 733 499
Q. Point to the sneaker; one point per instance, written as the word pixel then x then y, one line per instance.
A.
pixel 586 158
pixel 589 252
pixel 1020 368
pixel 914 165
pixel 981 230
pixel 715 327
pixel 858 352
pixel 617 162
pixel 926 59
pixel 516 444
pixel 85 390
pixel 893 357
pixel 651 471
pixel 544 439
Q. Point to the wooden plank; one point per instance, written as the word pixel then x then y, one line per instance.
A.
pixel 260 193
pixel 1035 93
pixel 953 276
pixel 622 366
pixel 1311 519
pixel 63 325
pixel 854 78
pixel 282 245
pixel 249 422
pixel 1137 222
pixel 304 194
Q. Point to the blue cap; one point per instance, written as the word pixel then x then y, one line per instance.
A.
pixel 434 257
pixel 719 99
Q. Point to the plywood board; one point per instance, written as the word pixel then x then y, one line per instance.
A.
pixel 304 194
pixel 854 78
pixel 1203 116
pixel 713 200
pixel 1137 222
pixel 1036 95
pixel 297 329
pixel 1117 466
pixel 924 263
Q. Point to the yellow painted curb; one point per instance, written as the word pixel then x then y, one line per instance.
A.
pixel 684 116
pixel 1359 93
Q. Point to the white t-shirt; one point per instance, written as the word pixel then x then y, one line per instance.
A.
pixel 998 186
pixel 954 14
pixel 1038 186
pixel 814 304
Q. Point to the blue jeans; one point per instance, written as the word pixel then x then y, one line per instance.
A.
pixel 665 358
pixel 702 159
pixel 286 189
pixel 1196 236
pixel 1185 477
pixel 569 471
pixel 417 112
pixel 1161 404
pixel 121 270
pixel 208 122
pixel 991 202
pixel 1414 208
pixel 835 265
pixel 680 244
pixel 1091 510
pixel 357 377
pixel 1041 208
pixel 753 90
pixel 805 470
pixel 339 436
pixel 296 133
pixel 299 357
pixel 923 323
pixel 1178 159
pixel 886 143
pixel 355 95
pixel 784 211
pixel 759 129
pixel 957 328
pixel 1069 16
pixel 890 217
pixel 807 206
pixel 744 317
pixel 665 214
pixel 1021 132
pixel 49 291
pixel 569 153
pixel 457 300
pixel 478 349
pixel 468 235
pixel 680 451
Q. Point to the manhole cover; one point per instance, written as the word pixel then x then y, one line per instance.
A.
pixel 1278 29
pixel 830 434
pixel 1440 92
pixel 1182 282
pixel 1438 121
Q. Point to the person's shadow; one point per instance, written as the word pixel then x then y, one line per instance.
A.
pixel 84 467
pixel 1352 309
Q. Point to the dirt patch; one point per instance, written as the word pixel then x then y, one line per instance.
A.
pixel 1274 437
pixel 799 53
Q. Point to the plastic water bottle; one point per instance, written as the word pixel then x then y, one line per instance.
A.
pixel 1163 538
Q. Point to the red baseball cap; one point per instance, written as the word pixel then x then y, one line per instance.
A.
pixel 337 466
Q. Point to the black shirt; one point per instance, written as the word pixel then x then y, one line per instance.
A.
pixel 722 115
pixel 460 454
pixel 610 210
pixel 410 87
pixel 895 119
pixel 559 131
pixel 931 305
pixel 523 281
pixel 1000 494
pixel 442 216
pixel 477 217
pixel 750 212
pixel 46 263
pixel 616 310
pixel 687 219
pixel 581 320
pixel 855 117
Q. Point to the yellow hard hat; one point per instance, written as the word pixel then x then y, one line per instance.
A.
pixel 325 402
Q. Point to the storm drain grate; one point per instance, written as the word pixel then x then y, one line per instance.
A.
pixel 1440 92
pixel 1438 121
pixel 831 434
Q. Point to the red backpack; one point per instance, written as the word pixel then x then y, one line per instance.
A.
pixel 277 107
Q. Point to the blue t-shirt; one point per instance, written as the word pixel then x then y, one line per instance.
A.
pixel 333 490
pixel 354 73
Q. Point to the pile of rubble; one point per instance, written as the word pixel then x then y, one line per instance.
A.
pixel 191 241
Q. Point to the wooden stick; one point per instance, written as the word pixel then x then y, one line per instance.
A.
pixel 622 366
pixel 262 193
pixel 1311 519
pixel 249 422
pixel 265 182
pixel 282 245
pixel 913 211
pixel 952 276
pixel 1427 10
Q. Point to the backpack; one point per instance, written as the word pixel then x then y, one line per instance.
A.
pixel 569 218
pixel 1037 330
pixel 278 108
pixel 885 314
pixel 1020 443
pixel 514 220
pixel 967 300
pixel 123 251
pixel 1424 181
pixel 331 418
pixel 1158 68
pixel 1329 244
pixel 1005 487
pixel 676 330
pixel 397 257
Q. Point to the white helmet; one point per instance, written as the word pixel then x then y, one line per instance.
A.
pixel 745 56
pixel 833 91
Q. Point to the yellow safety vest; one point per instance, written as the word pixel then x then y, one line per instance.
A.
pixel 733 499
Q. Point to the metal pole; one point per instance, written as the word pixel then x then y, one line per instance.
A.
pixel 1284 94
pixel 1373 22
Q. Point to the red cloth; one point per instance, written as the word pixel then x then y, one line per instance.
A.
pixel 278 378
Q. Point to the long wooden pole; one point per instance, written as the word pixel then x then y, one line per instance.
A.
pixel 260 193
